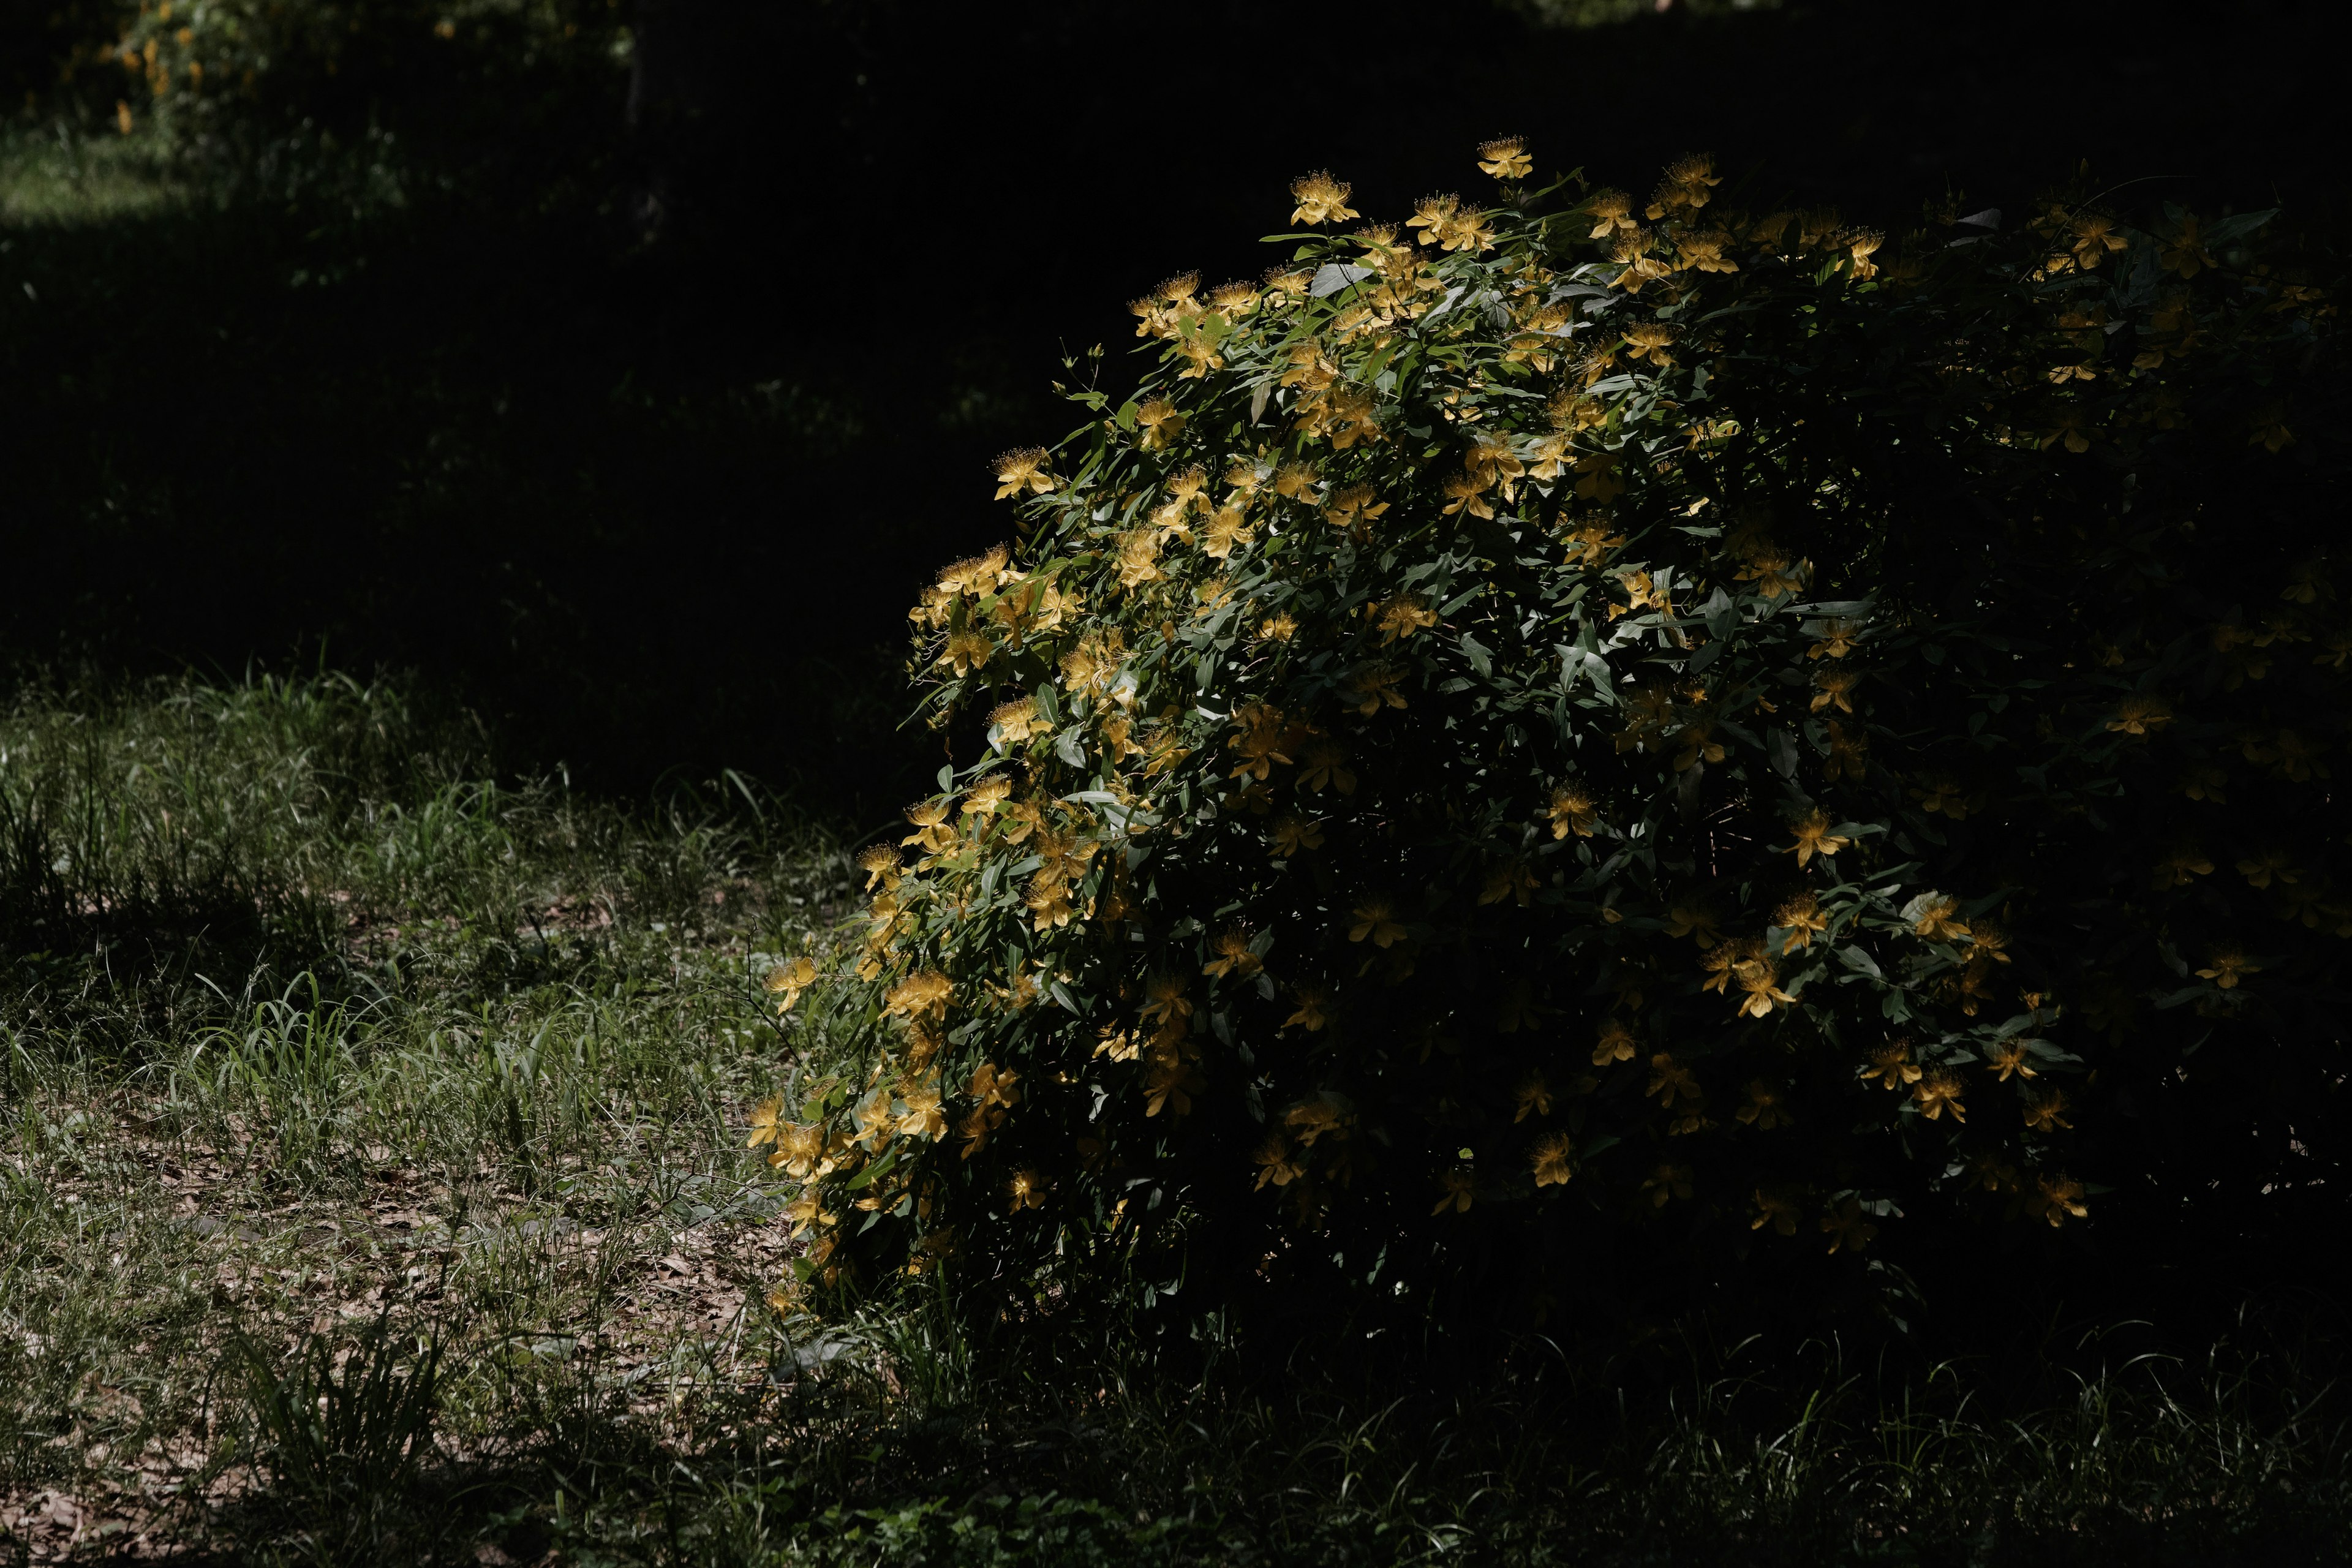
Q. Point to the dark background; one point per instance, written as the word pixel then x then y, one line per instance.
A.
pixel 643 411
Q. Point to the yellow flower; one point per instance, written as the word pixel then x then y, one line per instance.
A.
pixel 1847 1230
pixel 1314 1009
pixel 1668 1079
pixel 1508 879
pixel 1552 1160
pixel 931 832
pixel 787 980
pixel 1571 811
pixel 1321 199
pixel 1533 1096
pixel 1668 1180
pixel 1159 422
pixel 1404 616
pixel 1277 1162
pixel 1505 158
pixel 1164 1000
pixel 1813 837
pixel 2011 1056
pixel 1023 469
pixel 806 1211
pixel 1695 920
pixel 1373 685
pixel 2271 863
pixel 1775 1209
pixel 1934 917
pixel 1234 956
pixel 1458 1185
pixel 966 651
pixel 801 1152
pixel 1939 1093
pixel 1278 628
pixel 2228 965
pixel 1801 919
pixel 923 1118
pixel 2139 714
pixel 1376 919
pixel 1611 212
pixel 1766 1109
pixel 1226 529
pixel 1760 978
pixel 1014 721
pixel 2176 868
pixel 1891 1065
pixel 1291 833
pixel 1833 686
pixel 1351 503
pixel 1027 1188
pixel 1835 639
pixel 2056 1197
pixel 921 995
pixel 1170 1086
pixel 2185 252
pixel 1942 793
pixel 765 1122
pixel 2046 1112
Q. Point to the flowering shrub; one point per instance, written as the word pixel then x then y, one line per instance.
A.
pixel 1578 736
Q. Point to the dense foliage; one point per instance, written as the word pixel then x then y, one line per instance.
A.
pixel 1572 741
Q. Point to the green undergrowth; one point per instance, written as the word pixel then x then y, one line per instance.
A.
pixel 373 1189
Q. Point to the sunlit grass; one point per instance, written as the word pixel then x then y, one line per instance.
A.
pixel 372 1188
pixel 58 176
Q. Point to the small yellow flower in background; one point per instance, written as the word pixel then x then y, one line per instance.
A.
pixel 1891 1066
pixel 1232 956
pixel 2046 1112
pixel 2057 1197
pixel 1833 685
pixel 1813 837
pixel 1669 1179
pixel 2271 864
pixel 1669 1078
pixel 1766 1109
pixel 1847 1229
pixel 2229 966
pixel 1835 640
pixel 801 1152
pixel 1554 1160
pixel 1027 1189
pixel 1278 628
pixel 1616 1045
pixel 807 1211
pixel 1459 1186
pixel 1861 245
pixel 1277 1162
pixel 1937 918
pixel 1119 1045
pixel 2179 867
pixel 1505 158
pixel 2139 714
pixel 1164 1000
pixel 1376 919
pixel 1775 1209
pixel 2185 252
pixel 1695 920
pixel 1291 833
pixel 1024 468
pixel 1571 811
pixel 987 795
pixel 1941 1092
pixel 1404 616
pixel 1533 1097
pixel 1508 879
pixel 2011 1056
pixel 1321 199
pixel 1942 793
pixel 1314 1009
pixel 785 982
pixel 766 1121
pixel 1374 686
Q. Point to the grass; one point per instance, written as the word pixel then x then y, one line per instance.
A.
pixel 374 1190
